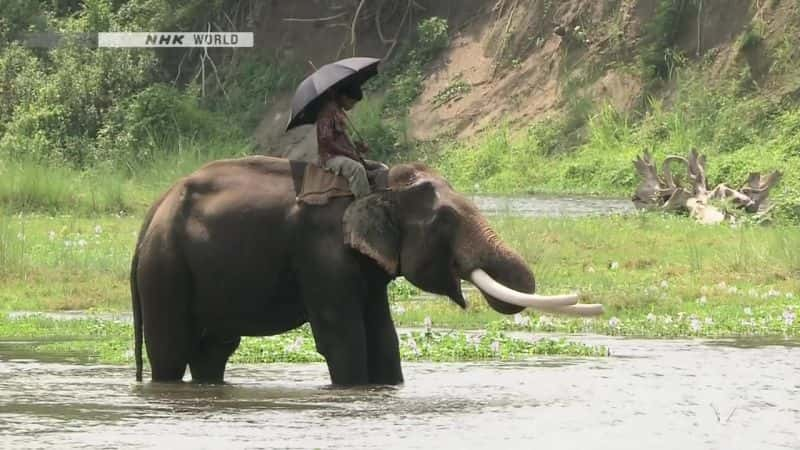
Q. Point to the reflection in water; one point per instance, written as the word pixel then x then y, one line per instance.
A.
pixel 551 206
pixel 654 394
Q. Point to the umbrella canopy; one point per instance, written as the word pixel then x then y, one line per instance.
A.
pixel 306 100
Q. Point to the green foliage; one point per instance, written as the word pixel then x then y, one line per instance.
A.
pixel 453 90
pixel 432 37
pixel 658 58
pixel 384 136
pixel 383 121
pixel 752 36
pixel 251 86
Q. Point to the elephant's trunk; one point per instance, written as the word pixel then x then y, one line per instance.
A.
pixel 504 278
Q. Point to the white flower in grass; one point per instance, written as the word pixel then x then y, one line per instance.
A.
pixel 67 243
pixel 398 309
pixel 98 229
pixel 667 319
pixel 664 284
pixel 722 285
pixel 295 346
pixel 51 235
pixel 789 295
pixel 495 346
pixel 521 320
pixel 702 300
pixel 748 311
pixel 748 322
pixel 545 321
pixel 694 324
pixel 82 243
pixel 614 322
pixel 733 290
pixel 614 265
pixel 428 324
pixel 709 321
pixel 752 293
pixel 590 269
pixel 651 317
pixel 772 293
pixel 412 344
pixel 21 236
pixel 788 317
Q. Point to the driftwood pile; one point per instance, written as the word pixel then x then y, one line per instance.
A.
pixel 666 193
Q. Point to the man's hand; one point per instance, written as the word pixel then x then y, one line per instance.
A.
pixel 362 147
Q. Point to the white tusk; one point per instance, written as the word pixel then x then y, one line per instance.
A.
pixel 499 291
pixel 581 310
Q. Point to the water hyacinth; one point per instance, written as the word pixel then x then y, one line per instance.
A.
pixel 694 324
pixel 788 317
pixel 412 344
pixel 522 321
pixel 545 322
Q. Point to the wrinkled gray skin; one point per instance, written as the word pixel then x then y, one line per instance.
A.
pixel 227 252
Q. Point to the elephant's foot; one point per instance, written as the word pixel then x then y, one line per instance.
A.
pixel 208 361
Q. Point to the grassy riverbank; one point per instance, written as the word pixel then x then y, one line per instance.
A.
pixel 656 275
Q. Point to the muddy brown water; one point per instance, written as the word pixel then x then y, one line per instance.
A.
pixel 648 394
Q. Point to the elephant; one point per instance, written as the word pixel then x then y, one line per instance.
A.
pixel 228 251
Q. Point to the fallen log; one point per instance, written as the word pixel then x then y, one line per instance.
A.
pixel 665 192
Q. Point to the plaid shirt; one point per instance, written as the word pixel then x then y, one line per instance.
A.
pixel 332 138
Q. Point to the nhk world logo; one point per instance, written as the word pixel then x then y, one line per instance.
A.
pixel 174 39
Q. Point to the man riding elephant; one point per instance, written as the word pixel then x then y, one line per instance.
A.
pixel 336 150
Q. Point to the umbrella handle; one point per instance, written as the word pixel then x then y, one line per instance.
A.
pixel 355 130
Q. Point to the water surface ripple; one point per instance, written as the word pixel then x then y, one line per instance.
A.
pixel 648 394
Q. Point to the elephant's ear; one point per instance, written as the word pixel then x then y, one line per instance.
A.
pixel 369 227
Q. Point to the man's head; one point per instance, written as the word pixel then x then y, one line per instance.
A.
pixel 347 96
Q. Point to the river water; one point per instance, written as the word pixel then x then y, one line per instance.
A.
pixel 647 394
pixel 552 206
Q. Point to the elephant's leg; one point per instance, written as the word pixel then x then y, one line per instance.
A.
pixel 339 337
pixel 165 293
pixel 209 358
pixel 383 348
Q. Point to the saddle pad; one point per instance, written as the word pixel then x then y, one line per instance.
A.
pixel 315 185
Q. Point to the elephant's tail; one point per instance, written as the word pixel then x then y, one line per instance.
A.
pixel 135 301
pixel 137 316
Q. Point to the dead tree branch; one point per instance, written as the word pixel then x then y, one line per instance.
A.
pixel 665 193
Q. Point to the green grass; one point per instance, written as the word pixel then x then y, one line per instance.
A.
pixel 27 186
pixel 636 266
pixel 107 341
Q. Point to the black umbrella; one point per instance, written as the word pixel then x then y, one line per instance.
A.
pixel 306 100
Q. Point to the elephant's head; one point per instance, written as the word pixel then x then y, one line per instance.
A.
pixel 425 231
